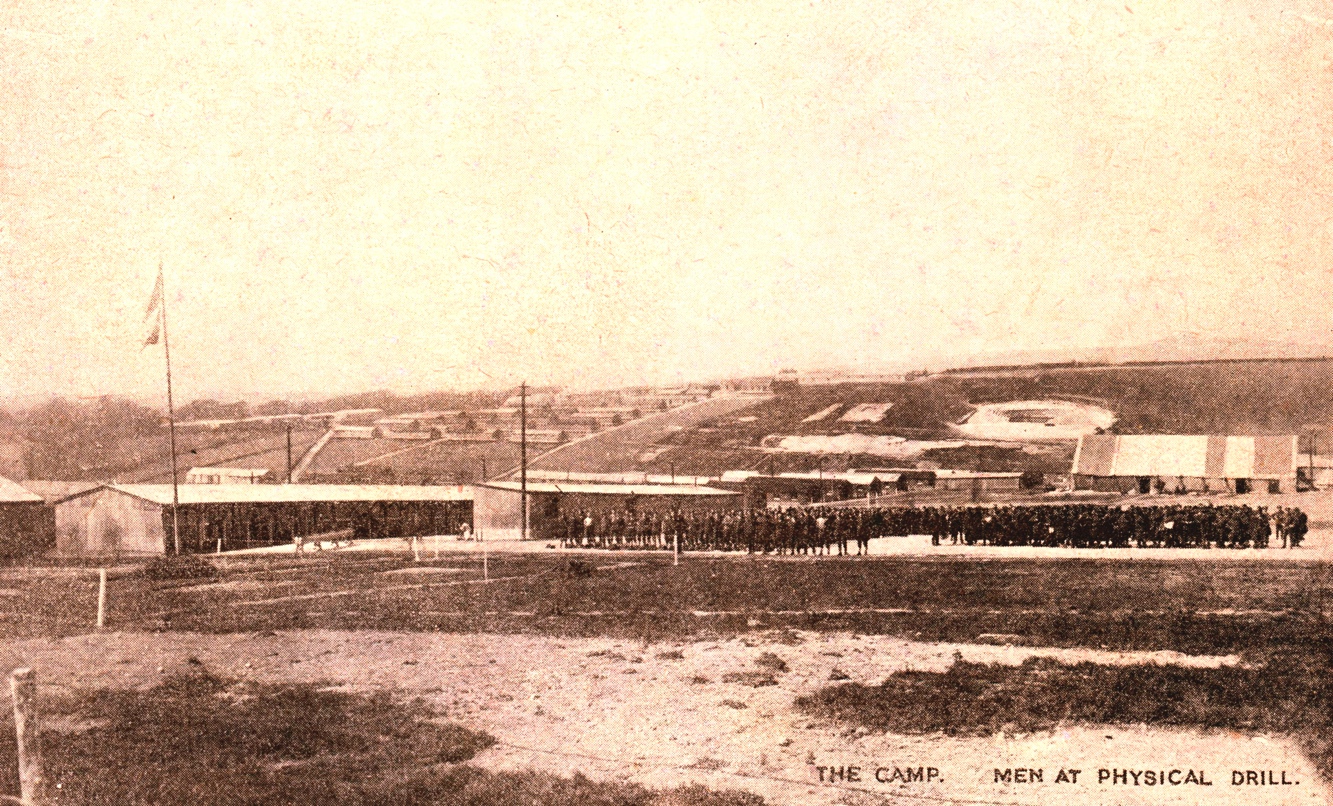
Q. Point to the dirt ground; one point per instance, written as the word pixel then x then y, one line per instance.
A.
pixel 1318 546
pixel 662 714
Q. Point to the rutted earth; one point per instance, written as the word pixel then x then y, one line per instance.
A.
pixel 622 710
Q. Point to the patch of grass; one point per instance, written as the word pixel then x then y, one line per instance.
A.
pixel 1291 693
pixel 751 679
pixel 699 680
pixel 186 566
pixel 735 704
pixel 673 654
pixel 578 569
pixel 196 738
pixel 199 739
pixel 772 662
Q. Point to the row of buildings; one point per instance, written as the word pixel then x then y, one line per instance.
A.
pixel 226 510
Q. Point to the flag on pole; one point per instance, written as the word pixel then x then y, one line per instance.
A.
pixel 154 310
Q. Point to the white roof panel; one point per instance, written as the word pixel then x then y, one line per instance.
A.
pixel 12 493
pixel 608 489
pixel 292 493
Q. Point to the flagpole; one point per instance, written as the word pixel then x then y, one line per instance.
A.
pixel 171 420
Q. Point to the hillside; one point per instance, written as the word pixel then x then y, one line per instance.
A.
pixel 633 444
pixel 404 462
pixel 986 418
pixel 927 423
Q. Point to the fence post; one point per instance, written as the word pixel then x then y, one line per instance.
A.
pixel 32 784
pixel 101 598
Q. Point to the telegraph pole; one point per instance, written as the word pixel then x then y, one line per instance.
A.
pixel 289 452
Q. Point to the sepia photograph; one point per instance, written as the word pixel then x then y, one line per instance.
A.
pixel 680 403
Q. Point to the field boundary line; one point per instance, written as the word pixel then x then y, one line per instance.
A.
pixel 639 422
pixel 301 597
pixel 400 451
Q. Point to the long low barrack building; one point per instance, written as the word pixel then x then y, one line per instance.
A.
pixel 136 519
pixel 498 505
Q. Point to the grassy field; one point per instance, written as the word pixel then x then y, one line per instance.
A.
pixel 1185 606
pixel 377 748
pixel 621 448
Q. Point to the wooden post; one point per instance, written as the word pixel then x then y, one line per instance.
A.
pixel 32 784
pixel 485 565
pixel 675 548
pixel 101 598
pixel 416 550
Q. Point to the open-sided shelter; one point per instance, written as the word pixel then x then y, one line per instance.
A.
pixel 137 518
pixel 498 505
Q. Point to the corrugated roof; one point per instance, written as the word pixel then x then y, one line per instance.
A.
pixel 13 493
pixel 946 473
pixel 866 479
pixel 608 489
pixel 292 493
pixel 53 491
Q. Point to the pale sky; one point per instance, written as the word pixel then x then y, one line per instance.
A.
pixel 354 196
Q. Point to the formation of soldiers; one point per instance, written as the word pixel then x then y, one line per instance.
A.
pixel 818 530
pixel 1099 526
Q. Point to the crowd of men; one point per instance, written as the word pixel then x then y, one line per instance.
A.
pixel 820 530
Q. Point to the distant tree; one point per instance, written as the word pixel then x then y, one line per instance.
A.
pixel 635 414
pixel 497 435
pixel 616 419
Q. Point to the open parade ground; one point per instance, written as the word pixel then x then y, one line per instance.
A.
pixel 916 674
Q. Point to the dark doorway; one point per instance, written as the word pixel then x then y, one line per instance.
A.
pixel 1145 485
